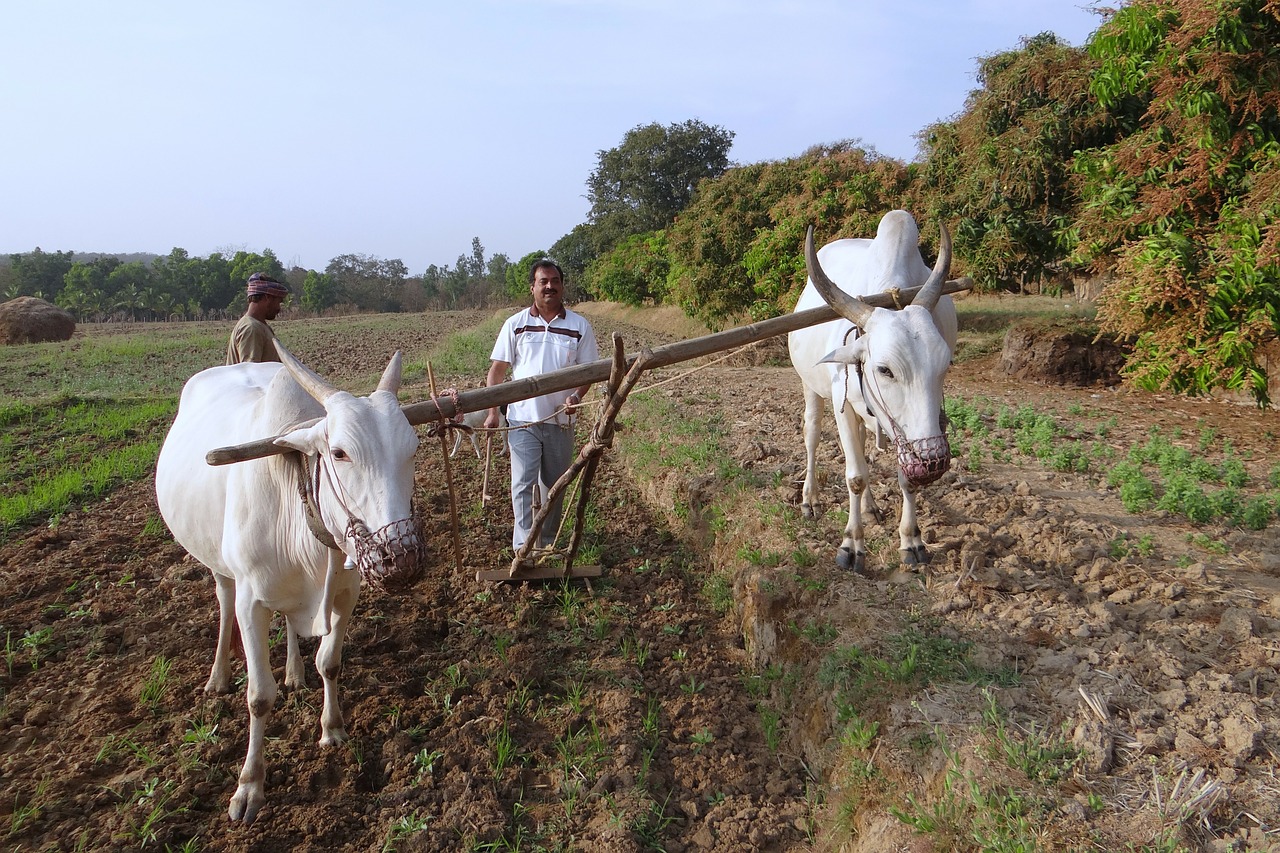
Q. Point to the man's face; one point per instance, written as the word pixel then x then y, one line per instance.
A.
pixel 271 306
pixel 547 290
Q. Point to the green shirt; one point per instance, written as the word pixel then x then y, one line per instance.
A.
pixel 251 340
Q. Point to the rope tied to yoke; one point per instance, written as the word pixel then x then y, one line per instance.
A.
pixel 442 425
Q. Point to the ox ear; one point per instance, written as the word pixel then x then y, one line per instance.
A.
pixel 390 380
pixel 306 440
pixel 850 354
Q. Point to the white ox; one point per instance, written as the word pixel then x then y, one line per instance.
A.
pixel 247 522
pixel 882 369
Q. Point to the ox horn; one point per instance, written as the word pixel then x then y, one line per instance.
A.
pixel 310 381
pixel 390 380
pixel 928 295
pixel 854 310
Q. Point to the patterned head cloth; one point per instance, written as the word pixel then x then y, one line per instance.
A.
pixel 261 284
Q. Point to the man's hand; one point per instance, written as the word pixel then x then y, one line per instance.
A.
pixel 571 403
pixel 491 419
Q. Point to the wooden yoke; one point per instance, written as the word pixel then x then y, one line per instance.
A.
pixel 429 411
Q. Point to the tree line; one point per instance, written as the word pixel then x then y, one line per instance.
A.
pixel 1147 159
pixel 179 286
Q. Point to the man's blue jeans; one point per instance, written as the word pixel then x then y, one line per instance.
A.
pixel 541 451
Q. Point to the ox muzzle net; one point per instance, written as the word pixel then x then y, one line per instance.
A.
pixel 386 558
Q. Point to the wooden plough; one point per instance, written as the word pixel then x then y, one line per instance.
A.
pixel 621 374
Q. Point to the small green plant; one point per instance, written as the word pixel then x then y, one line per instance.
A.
pixel 199 733
pixel 114 745
pixel 424 763
pixel 154 527
pixel 156 683
pixel 30 811
pixel 718 590
pixel 649 825
pixel 693 686
pixel 502 642
pixel 575 694
pixel 148 808
pixel 503 746
pixel 770 725
pixel 701 739
pixel 36 644
pixel 1040 758
pixel 404 828
pixel 859 733
pixel 635 650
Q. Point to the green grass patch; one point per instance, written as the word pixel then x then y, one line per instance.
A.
pixel 66 450
pixel 463 354
pixel 1205 481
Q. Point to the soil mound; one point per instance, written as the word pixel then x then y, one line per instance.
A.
pixel 1061 355
pixel 30 320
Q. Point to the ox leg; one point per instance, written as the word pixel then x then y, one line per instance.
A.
pixel 255 625
pixel 812 435
pixel 853 550
pixel 329 655
pixel 295 677
pixel 220 674
pixel 910 546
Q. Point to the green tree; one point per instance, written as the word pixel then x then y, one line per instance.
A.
pixel 1185 208
pixel 177 276
pixel 737 250
pixel 129 291
pixel 214 288
pixel 319 291
pixel 574 253
pixel 633 272
pixel 370 283
pixel 1000 173
pixel 85 290
pixel 643 183
pixel 38 273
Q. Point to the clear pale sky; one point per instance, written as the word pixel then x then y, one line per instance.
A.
pixel 405 129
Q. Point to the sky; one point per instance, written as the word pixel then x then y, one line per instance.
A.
pixel 406 129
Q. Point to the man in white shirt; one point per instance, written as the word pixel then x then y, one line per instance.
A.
pixel 544 337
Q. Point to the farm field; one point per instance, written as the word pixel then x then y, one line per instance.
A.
pixel 1067 674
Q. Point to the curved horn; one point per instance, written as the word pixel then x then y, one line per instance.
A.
pixel 305 376
pixel 854 310
pixel 928 295
pixel 390 380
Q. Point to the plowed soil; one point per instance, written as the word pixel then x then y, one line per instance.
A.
pixel 627 713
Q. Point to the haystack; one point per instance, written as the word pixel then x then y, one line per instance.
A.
pixel 30 320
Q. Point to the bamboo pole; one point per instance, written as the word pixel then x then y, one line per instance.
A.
pixel 476 399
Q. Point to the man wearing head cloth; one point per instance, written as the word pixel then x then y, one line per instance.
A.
pixel 252 339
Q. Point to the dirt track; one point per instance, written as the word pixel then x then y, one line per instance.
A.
pixel 636 714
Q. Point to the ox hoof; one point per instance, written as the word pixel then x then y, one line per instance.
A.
pixel 245 805
pixel 850 560
pixel 808 511
pixel 916 556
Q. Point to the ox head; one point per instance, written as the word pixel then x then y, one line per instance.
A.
pixel 899 359
pixel 363 451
